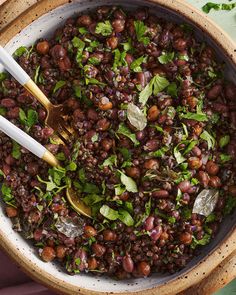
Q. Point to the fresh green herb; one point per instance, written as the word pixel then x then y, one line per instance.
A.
pixel 79 44
pixel 92 199
pixel 128 182
pixel 223 6
pixel 104 28
pixel 126 132
pixel 225 158
pixel 7 194
pixel 183 57
pixel 136 64
pixel 229 205
pixel 3 76
pixel 2 173
pixel 90 188
pixel 94 138
pixel 209 139
pixel 92 45
pixel 16 153
pixel 20 51
pixel 127 45
pixel 119 59
pixel 211 74
pixel 93 81
pixel 160 153
pixel 119 189
pixel 36 75
pixel 172 89
pixel 81 174
pixel 156 85
pixel 77 261
pixel 125 153
pixel 125 217
pixel 140 30
pixel 210 218
pixel 75 151
pixel 178 156
pixel 112 214
pixel 94 60
pixel 30 119
pixel 3 111
pixel 72 166
pixel 224 140
pixel 194 181
pixel 178 198
pixel 78 91
pixel 204 241
pixel 61 156
pixel 58 85
pixel 214 119
pixel 186 213
pixel 194 116
pixel 166 57
pixel 190 146
pixel 110 162
pixel 83 30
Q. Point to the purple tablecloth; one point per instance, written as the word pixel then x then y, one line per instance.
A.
pixel 14 282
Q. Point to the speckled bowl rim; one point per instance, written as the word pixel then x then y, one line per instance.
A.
pixel 203 268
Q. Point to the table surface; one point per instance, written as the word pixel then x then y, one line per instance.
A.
pixel 14 282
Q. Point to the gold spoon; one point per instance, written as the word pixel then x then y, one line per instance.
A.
pixel 40 151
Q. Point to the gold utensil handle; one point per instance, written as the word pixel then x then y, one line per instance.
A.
pixel 38 94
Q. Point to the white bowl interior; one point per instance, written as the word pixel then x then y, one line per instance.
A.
pixel 42 27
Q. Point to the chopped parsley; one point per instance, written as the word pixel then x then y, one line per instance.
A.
pixel 104 28
pixel 141 30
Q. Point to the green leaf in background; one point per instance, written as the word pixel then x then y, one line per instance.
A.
pixel 136 64
pixel 110 162
pixel 30 119
pixel 79 44
pixel 16 153
pixel 124 130
pixel 166 57
pixel 3 76
pixel 58 85
pixel 224 140
pixel 109 213
pixel 128 182
pixel 209 139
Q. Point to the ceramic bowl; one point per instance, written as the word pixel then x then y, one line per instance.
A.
pixel 40 21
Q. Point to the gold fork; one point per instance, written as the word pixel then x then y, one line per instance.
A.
pixel 56 114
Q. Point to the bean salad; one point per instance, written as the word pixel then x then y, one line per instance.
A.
pixel 154 153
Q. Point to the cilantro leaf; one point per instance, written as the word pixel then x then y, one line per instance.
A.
pixel 104 28
pixel 224 140
pixel 204 241
pixel 16 150
pixel 161 152
pixel 128 182
pixel 156 85
pixel 79 44
pixel 6 193
pixel 30 119
pixel 140 30
pixel 166 57
pixel 126 132
pixel 209 138
pixel 136 64
pixel 112 160
pixel 58 85
pixel 119 59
